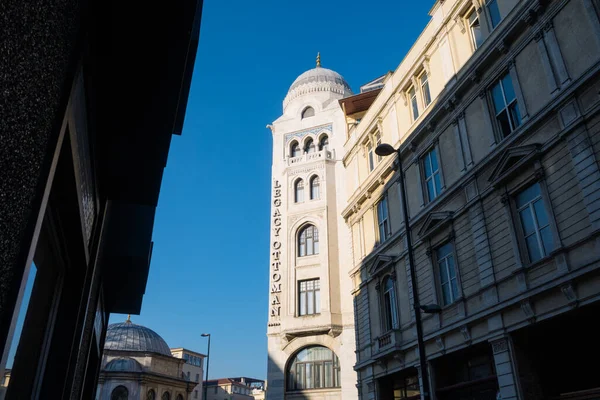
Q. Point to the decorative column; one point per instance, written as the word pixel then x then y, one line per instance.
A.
pixel 514 76
pixel 505 370
pixel 485 107
pixel 555 54
pixel 552 84
pixel 459 146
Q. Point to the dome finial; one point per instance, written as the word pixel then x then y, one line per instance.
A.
pixel 318 59
pixel 128 318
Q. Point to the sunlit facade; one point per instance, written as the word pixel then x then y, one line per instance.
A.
pixel 310 327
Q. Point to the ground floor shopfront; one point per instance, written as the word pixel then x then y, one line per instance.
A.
pixel 546 360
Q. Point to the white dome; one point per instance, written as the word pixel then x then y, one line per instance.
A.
pixel 318 79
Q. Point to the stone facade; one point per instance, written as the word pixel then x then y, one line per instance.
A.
pixel 310 301
pixel 501 171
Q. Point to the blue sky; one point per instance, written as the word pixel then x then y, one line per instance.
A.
pixel 209 270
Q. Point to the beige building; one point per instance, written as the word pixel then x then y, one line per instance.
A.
pixel 193 369
pixel 495 110
pixel 310 327
pixel 228 389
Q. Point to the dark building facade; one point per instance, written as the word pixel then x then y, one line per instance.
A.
pixel 91 94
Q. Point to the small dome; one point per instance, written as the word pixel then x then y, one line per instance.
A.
pixel 318 79
pixel 123 364
pixel 127 336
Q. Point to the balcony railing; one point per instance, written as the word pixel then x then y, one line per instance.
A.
pixel 319 155
pixel 384 341
pixel 387 342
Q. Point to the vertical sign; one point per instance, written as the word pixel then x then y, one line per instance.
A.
pixel 275 301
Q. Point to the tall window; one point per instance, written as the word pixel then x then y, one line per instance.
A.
pixel 119 393
pixel 535 224
pixel 371 156
pixel 414 105
pixel 495 17
pixel 425 89
pixel 308 241
pixel 295 150
pixel 390 310
pixel 447 273
pixel 179 397
pixel 383 220
pixel 166 396
pixel 308 112
pixel 151 395
pixel 309 146
pixel 299 191
pixel 309 301
pixel 195 394
pixel 314 188
pixel 432 175
pixel 314 368
pixel 475 29
pixel 323 142
pixel 197 377
pixel 505 105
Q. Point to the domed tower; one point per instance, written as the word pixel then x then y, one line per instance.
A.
pixel 311 326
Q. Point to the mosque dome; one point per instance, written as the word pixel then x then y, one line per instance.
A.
pixel 127 336
pixel 123 364
pixel 318 79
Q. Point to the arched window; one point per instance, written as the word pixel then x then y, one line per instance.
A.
pixel 299 191
pixel 308 241
pixel 390 310
pixel 308 112
pixel 179 397
pixel 314 188
pixel 314 367
pixel 323 142
pixel 309 146
pixel 295 150
pixel 166 396
pixel 151 395
pixel 119 393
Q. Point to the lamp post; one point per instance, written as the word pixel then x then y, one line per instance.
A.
pixel 385 149
pixel 207 363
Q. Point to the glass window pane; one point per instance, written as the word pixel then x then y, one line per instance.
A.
pixel 498 98
pixel 515 114
pixel 303 303
pixel 540 213
pixel 309 247
pixel 454 283
pixel 309 380
pixel 443 272
pixel 509 91
pixel 438 184
pixel 446 294
pixel 533 248
pixel 328 374
pixel 434 163
pixel 310 304
pixel 547 240
pixel 494 13
pixel 430 190
pixel 451 269
pixel 527 221
pixel 444 250
pixel 426 93
pixel 317 301
pixel 427 165
pixel 528 195
pixel 504 123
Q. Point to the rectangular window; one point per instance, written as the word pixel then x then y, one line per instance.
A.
pixel 506 107
pixel 412 95
pixel 475 29
pixel 383 220
pixel 371 157
pixel 447 273
pixel 195 394
pixel 197 377
pixel 425 89
pixel 535 225
pixel 495 17
pixel 432 175
pixel 309 297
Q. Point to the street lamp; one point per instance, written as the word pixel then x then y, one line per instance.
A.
pixel 383 150
pixel 207 362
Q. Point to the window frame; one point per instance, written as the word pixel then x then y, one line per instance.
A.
pixel 314 293
pixel 413 102
pixel 489 14
pixel 523 252
pixel 434 173
pixel 312 186
pixel 507 108
pixel 323 142
pixel 469 25
pixel 383 223
pixel 309 146
pixel 390 318
pixel 427 100
pixel 292 372
pixel 299 191
pixel 307 109
pixel 370 156
pixel 315 241
pixel 295 149
pixel 455 297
